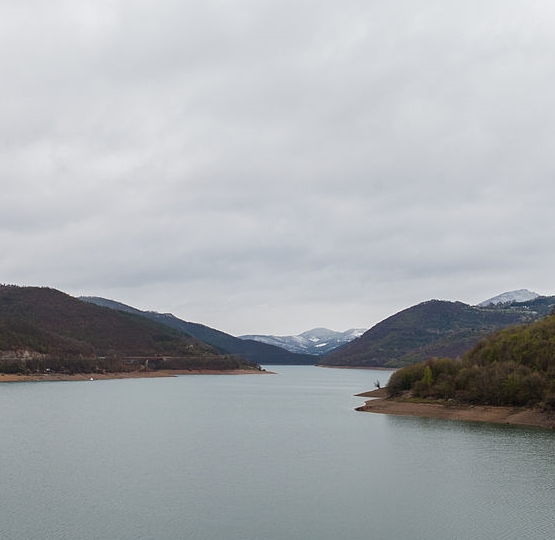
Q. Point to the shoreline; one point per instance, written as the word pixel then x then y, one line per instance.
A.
pixel 518 416
pixel 40 377
pixel 380 368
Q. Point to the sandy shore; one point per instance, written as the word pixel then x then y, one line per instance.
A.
pixel 499 415
pixel 124 375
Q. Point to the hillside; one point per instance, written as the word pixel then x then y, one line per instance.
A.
pixel 511 367
pixel 45 328
pixel 433 329
pixel 260 353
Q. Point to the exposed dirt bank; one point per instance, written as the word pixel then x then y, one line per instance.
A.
pixel 474 413
pixel 124 375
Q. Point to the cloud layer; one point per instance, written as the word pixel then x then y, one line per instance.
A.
pixel 268 167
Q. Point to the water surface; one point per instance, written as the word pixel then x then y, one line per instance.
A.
pixel 269 457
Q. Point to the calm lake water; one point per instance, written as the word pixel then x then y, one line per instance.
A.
pixel 270 457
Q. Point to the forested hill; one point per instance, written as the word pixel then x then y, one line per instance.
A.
pixel 46 325
pixel 260 353
pixel 432 329
pixel 514 366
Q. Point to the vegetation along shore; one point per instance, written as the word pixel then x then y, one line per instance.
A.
pixel 507 377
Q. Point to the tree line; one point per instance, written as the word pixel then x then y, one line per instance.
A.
pixel 514 367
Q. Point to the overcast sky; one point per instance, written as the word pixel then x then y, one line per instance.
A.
pixel 269 167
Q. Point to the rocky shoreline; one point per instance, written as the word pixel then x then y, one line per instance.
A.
pixel 473 413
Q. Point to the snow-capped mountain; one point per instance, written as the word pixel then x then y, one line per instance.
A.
pixel 317 341
pixel 520 295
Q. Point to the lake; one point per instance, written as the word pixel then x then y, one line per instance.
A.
pixel 261 457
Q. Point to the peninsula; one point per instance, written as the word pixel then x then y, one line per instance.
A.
pixel 507 377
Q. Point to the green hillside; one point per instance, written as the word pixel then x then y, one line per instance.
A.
pixel 433 329
pixel 514 366
pixel 42 328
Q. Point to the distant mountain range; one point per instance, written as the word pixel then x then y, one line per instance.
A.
pixel 318 341
pixel 38 323
pixel 251 350
pixel 437 328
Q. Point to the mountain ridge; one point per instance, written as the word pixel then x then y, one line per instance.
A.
pixel 38 319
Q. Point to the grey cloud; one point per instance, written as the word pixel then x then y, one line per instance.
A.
pixel 268 167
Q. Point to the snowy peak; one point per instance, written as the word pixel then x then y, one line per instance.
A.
pixel 520 295
pixel 317 341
